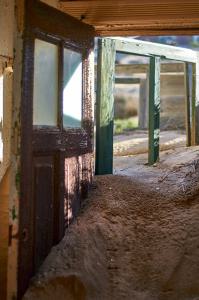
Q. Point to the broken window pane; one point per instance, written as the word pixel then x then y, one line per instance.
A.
pixel 72 91
pixel 45 94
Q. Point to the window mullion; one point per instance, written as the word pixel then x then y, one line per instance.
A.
pixel 60 85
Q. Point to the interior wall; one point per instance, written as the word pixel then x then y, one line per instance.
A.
pixel 6 58
pixel 11 23
pixel 4 189
pixel 18 15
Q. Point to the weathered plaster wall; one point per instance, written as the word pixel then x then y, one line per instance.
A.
pixel 15 157
pixel 6 71
pixel 6 60
pixel 6 27
pixel 4 190
pixel 11 30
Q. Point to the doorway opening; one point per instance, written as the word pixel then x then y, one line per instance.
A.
pixel 130 106
pixel 154 94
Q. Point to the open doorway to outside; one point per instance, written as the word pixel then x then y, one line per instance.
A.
pixel 154 101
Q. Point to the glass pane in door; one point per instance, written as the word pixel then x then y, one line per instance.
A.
pixel 45 92
pixel 72 90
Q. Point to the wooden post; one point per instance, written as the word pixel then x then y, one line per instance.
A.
pixel 154 109
pixel 188 92
pixel 105 107
pixel 195 104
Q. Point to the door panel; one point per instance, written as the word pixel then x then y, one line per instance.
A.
pixel 44 198
pixel 78 175
pixel 53 149
pixel 73 177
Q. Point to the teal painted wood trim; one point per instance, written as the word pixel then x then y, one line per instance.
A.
pixel 195 105
pixel 127 80
pixel 133 46
pixel 193 111
pixel 154 109
pixel 196 108
pixel 105 107
pixel 188 92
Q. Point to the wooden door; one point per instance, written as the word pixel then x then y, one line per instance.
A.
pixel 56 137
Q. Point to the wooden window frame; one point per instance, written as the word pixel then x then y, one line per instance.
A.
pixel 61 44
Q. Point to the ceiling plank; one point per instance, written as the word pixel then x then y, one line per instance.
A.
pixel 174 2
pixel 121 16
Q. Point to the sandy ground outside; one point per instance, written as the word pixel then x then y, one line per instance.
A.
pixel 136 166
pixel 136 237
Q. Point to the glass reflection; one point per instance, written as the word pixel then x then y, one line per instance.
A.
pixel 72 93
pixel 45 93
